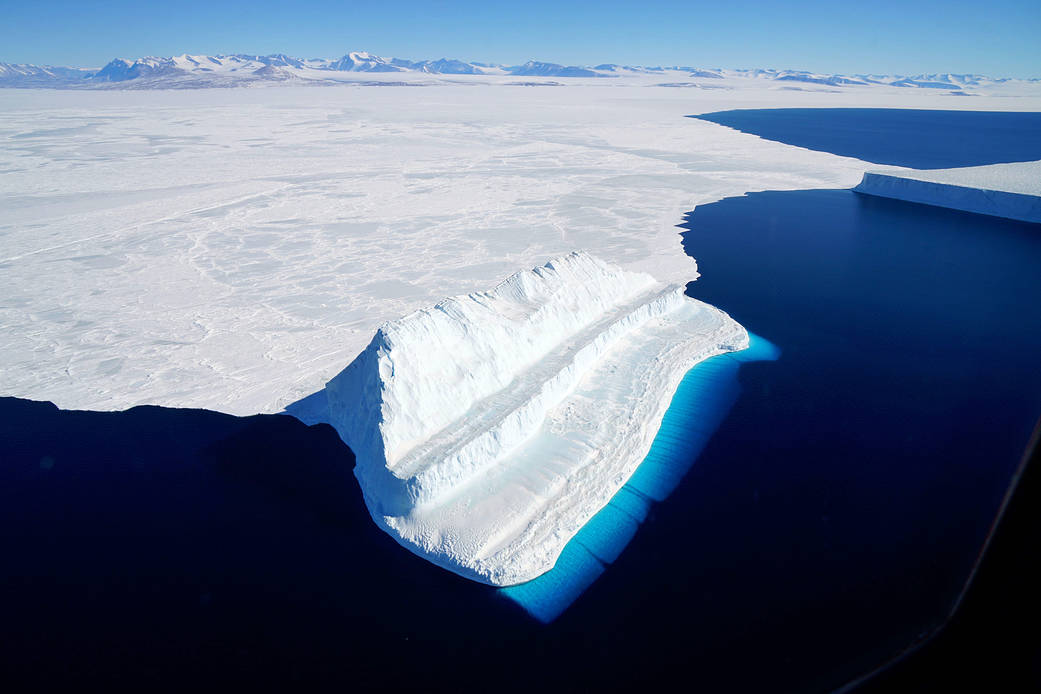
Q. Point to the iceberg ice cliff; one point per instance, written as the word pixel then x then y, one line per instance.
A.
pixel 489 428
pixel 1012 191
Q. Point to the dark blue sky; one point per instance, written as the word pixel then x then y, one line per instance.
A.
pixel 1000 38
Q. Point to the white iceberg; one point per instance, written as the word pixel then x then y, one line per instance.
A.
pixel 1012 190
pixel 489 428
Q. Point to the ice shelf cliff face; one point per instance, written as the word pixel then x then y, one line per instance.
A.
pixel 1011 190
pixel 489 428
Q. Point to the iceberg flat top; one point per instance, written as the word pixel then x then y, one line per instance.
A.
pixel 489 428
pixel 1022 178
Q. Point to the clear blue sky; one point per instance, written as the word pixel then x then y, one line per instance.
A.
pixel 998 37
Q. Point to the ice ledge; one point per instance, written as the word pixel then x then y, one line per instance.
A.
pixel 489 429
pixel 1012 191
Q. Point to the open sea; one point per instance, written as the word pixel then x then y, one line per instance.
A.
pixel 919 139
pixel 826 518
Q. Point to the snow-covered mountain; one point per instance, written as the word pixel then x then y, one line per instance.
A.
pixel 190 70
pixel 363 62
pixel 21 75
pixel 534 68
pixel 199 71
pixel 444 66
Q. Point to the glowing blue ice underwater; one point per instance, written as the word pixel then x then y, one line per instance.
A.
pixel 702 401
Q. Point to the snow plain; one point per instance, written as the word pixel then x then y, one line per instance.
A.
pixel 490 428
pixel 234 249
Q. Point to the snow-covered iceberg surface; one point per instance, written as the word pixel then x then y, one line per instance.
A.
pixel 1012 191
pixel 491 427
pixel 701 403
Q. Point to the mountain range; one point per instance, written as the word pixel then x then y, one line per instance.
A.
pixel 200 71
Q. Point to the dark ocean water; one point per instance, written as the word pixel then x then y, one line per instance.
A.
pixel 920 139
pixel 884 439
pixel 831 518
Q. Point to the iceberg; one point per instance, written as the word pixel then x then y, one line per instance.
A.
pixel 490 428
pixel 1012 191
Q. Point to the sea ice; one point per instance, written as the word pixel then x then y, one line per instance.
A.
pixel 489 428
pixel 232 249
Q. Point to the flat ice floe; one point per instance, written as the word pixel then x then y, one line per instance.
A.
pixel 489 428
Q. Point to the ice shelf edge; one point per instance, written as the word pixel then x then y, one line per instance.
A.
pixel 978 200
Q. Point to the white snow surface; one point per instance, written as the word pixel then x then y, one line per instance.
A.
pixel 234 249
pixel 489 428
pixel 1012 191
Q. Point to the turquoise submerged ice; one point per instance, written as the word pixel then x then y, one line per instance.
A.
pixel 703 399
pixel 491 428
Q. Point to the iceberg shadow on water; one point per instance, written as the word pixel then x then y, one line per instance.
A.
pixel 700 404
